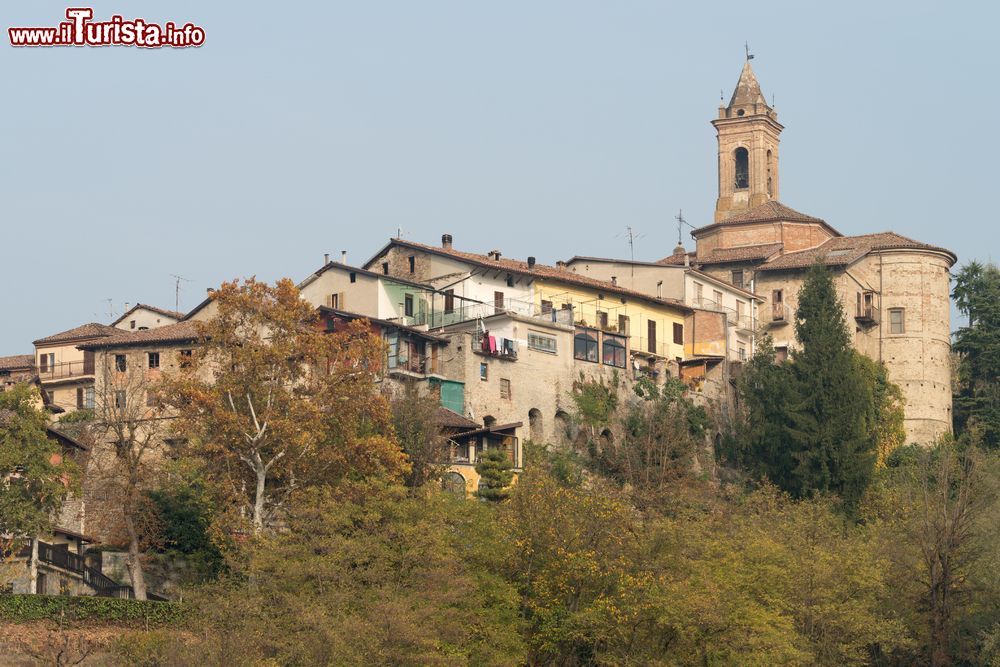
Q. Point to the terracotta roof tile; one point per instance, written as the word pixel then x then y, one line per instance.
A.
pixel 17 362
pixel 723 255
pixel 91 330
pixel 770 211
pixel 846 250
pixel 538 271
pixel 172 333
pixel 450 419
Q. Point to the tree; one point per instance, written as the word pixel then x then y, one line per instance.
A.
pixel 273 401
pixel 415 421
pixel 812 423
pixel 495 475
pixel 34 476
pixel 977 395
pixel 128 422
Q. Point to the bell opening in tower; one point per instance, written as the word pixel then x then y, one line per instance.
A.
pixel 742 168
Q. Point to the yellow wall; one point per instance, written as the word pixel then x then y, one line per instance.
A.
pixel 639 312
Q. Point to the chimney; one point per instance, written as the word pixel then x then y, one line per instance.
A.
pixel 531 262
pixel 687 259
pixel 494 255
pixel 446 241
pixel 614 280
pixel 343 257
pixel 210 290
pixel 326 258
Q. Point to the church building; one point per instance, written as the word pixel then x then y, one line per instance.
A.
pixel 895 290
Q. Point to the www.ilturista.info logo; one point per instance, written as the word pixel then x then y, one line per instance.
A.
pixel 80 30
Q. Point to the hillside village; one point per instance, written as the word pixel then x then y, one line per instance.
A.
pixel 501 344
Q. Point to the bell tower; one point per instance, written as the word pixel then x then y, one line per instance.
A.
pixel 748 132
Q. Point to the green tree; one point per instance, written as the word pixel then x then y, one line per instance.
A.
pixel 977 395
pixel 415 421
pixel 495 475
pixel 34 476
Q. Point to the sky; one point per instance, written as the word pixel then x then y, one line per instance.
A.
pixel 542 127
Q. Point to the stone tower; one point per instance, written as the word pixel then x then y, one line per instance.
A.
pixel 748 132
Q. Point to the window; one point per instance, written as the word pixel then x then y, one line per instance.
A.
pixel 151 401
pixel 413 263
pixel 88 398
pixel 185 358
pixel 781 353
pixel 121 363
pixel 510 280
pixel 505 389
pixel 742 158
pixel 408 305
pixel 651 336
pixel 777 305
pixel 335 301
pixel 484 371
pixel 741 311
pixel 602 320
pixel 546 307
pixel 717 297
pixel 46 362
pixel 120 400
pixel 585 345
pixel 354 277
pixel 154 359
pixel 613 352
pixel 449 302
pixel 699 293
pixel 79 398
pixel 737 279
pixel 131 324
pixel 623 324
pixel 741 351
pixel 678 333
pixel 541 342
pixel 385 268
pixel 897 320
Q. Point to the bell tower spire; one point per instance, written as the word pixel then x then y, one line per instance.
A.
pixel 748 133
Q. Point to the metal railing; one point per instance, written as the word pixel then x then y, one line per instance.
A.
pixel 65 369
pixel 103 585
pixel 504 348
pixel 778 312
pixel 868 313
pixel 414 363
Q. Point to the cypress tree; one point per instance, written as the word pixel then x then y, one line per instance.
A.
pixel 829 442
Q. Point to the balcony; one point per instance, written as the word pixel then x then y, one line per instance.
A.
pixel 65 370
pixel 494 346
pixel 779 314
pixel 410 363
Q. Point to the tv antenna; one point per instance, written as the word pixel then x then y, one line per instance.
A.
pixel 680 225
pixel 746 47
pixel 111 313
pixel 177 290
pixel 631 236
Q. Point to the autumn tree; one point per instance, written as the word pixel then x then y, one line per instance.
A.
pixel 416 424
pixel 273 400
pixel 34 477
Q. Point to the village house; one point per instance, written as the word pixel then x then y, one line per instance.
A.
pixel 65 372
pixel 16 369
pixel 141 317
pixel 894 290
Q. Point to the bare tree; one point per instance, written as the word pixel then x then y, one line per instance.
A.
pixel 128 421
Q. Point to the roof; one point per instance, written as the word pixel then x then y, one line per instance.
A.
pixel 535 271
pixel 846 250
pixel 180 332
pixel 17 362
pixel 82 332
pixel 365 272
pixel 348 315
pixel 63 435
pixel 663 263
pixel 491 429
pixel 747 92
pixel 450 419
pixel 172 314
pixel 723 255
pixel 770 211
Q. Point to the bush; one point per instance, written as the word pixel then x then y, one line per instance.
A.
pixel 21 608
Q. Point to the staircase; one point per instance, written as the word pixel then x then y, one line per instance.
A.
pixel 103 585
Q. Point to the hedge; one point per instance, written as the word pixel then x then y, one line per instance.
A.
pixel 145 613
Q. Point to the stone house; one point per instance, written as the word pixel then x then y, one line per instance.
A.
pixel 16 369
pixel 141 317
pixel 65 372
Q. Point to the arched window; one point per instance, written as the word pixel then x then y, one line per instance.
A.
pixel 535 423
pixel 742 168
pixel 613 353
pixel 585 345
pixel 452 482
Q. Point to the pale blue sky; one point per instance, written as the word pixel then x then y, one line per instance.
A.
pixel 540 128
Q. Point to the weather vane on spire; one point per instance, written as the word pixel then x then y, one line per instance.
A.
pixel 746 47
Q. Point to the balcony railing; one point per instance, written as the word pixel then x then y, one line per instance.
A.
pixel 66 369
pixel 868 314
pixel 414 363
pixel 504 348
pixel 779 314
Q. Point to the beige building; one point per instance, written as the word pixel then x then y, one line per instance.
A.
pixel 895 291
pixel 65 372
pixel 141 317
